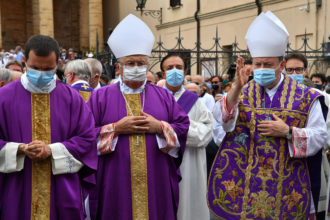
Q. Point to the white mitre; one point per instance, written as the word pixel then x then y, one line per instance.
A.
pixel 131 37
pixel 267 36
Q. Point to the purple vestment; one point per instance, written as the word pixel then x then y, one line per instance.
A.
pixel 112 199
pixel 72 124
pixel 82 87
pixel 187 100
pixel 253 176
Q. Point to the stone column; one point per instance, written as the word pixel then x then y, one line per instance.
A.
pixel 43 17
pixel 95 24
pixel 83 24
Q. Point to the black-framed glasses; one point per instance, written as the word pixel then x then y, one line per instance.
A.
pixel 297 70
pixel 215 82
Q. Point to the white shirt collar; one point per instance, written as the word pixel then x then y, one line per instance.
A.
pixel 80 81
pixel 34 89
pixel 271 92
pixel 127 90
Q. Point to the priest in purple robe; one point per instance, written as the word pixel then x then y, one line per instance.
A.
pixel 47 139
pixel 273 124
pixel 77 74
pixel 142 135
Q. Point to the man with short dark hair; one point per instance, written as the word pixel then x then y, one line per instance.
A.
pixel 46 141
pixel 319 81
pixel 296 64
pixel 193 168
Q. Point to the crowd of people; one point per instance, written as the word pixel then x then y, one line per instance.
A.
pixel 76 145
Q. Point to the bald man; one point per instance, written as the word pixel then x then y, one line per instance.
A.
pixel 198 79
pixel 151 78
pixel 192 87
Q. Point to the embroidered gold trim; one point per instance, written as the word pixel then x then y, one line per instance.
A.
pixel 292 93
pixel 258 101
pixel 280 178
pixel 85 95
pixel 41 170
pixel 285 91
pixel 139 172
pixel 252 126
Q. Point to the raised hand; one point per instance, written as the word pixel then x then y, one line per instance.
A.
pixel 242 73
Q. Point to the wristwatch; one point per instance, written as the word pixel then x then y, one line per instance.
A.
pixel 289 134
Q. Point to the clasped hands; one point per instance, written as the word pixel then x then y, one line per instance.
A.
pixel 275 128
pixel 36 150
pixel 144 123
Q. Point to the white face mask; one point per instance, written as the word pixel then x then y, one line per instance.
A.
pixel 135 73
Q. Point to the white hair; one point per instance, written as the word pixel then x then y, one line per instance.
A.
pixel 80 69
pixel 96 66
pixel 5 75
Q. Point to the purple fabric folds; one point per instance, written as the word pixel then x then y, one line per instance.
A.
pixel 72 124
pixel 112 197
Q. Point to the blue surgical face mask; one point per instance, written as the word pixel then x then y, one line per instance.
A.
pixel 264 76
pixel 327 87
pixel 39 78
pixel 298 77
pixel 174 77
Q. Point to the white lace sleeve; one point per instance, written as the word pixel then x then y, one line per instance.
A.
pixel 63 161
pixel 9 160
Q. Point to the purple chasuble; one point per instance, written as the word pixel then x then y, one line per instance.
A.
pixel 72 124
pixel 112 197
pixel 187 100
pixel 254 177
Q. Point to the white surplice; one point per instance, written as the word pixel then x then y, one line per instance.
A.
pixel 193 204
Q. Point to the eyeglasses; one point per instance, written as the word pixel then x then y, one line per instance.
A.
pixel 297 70
pixel 215 82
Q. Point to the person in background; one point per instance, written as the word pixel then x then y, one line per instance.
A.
pixel 227 87
pixel 161 83
pixel 216 82
pixel 77 74
pixel 319 81
pixel 188 79
pixel 4 77
pixel 192 87
pixel 97 70
pixel 15 65
pixel 296 66
pixel 193 185
pixel 19 54
pixel 15 75
pixel 151 78
pixel 104 79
